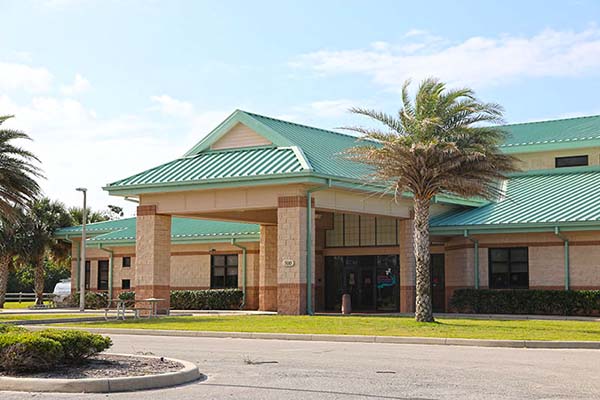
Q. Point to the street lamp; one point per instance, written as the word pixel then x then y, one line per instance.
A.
pixel 82 260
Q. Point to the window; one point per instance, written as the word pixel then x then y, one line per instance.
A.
pixel 224 271
pixel 352 230
pixel 126 262
pixel 87 275
pixel 572 161
pixel 103 275
pixel 509 268
pixel 126 284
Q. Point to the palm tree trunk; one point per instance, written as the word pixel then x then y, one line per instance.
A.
pixel 5 260
pixel 38 282
pixel 423 308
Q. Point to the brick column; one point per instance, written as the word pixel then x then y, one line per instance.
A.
pixel 407 266
pixel 267 281
pixel 291 252
pixel 153 256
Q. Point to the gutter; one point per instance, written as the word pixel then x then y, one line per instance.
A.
pixel 476 257
pixel 110 270
pixel 566 256
pixel 309 250
pixel 244 250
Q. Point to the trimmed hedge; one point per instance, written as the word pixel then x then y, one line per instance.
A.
pixel 93 300
pixel 25 351
pixel 78 345
pixel 551 302
pixel 212 299
pixel 129 297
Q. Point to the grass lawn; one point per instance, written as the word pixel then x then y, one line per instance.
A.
pixel 14 305
pixel 31 317
pixel 372 325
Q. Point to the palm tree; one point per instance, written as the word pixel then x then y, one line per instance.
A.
pixel 36 241
pixel 18 173
pixel 92 216
pixel 9 249
pixel 442 142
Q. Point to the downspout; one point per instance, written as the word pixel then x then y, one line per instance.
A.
pixel 567 265
pixel 110 270
pixel 475 257
pixel 309 283
pixel 233 243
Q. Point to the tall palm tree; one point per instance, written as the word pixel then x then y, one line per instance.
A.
pixel 9 249
pixel 18 173
pixel 440 142
pixel 37 244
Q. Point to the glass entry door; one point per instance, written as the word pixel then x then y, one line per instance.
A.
pixel 371 281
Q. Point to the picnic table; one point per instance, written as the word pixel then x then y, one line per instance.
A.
pixel 121 307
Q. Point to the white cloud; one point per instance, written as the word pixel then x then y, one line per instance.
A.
pixel 16 76
pixel 478 61
pixel 79 147
pixel 170 106
pixel 79 85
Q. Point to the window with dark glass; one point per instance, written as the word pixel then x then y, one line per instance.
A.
pixel 125 284
pixel 352 230
pixel 103 275
pixel 571 161
pixel 224 271
pixel 87 274
pixel 126 262
pixel 509 268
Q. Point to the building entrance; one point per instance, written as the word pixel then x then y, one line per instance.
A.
pixel 371 281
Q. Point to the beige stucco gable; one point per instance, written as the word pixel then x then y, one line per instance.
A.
pixel 240 136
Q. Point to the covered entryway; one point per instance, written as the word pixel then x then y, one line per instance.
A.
pixel 372 282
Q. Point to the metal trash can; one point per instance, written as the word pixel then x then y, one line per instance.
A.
pixel 346 304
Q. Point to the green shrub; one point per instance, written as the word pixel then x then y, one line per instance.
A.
pixel 129 298
pixel 28 352
pixel 553 302
pixel 25 351
pixel 93 300
pixel 6 328
pixel 78 345
pixel 212 299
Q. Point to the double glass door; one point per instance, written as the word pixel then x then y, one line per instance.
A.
pixel 371 281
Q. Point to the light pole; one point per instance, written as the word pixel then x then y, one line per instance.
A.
pixel 82 259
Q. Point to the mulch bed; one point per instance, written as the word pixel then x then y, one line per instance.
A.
pixel 109 366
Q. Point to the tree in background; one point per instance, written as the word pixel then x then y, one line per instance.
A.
pixel 92 216
pixel 37 241
pixel 9 250
pixel 440 142
pixel 111 213
pixel 18 173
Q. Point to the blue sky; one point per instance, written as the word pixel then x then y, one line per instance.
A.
pixel 109 88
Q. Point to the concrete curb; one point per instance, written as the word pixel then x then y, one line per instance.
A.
pixel 532 344
pixel 189 373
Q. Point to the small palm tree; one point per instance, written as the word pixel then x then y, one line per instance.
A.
pixel 18 173
pixel 439 143
pixel 36 238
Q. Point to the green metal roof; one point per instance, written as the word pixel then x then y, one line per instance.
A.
pixel 185 230
pixel 235 163
pixel 296 150
pixel 560 133
pixel 569 196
